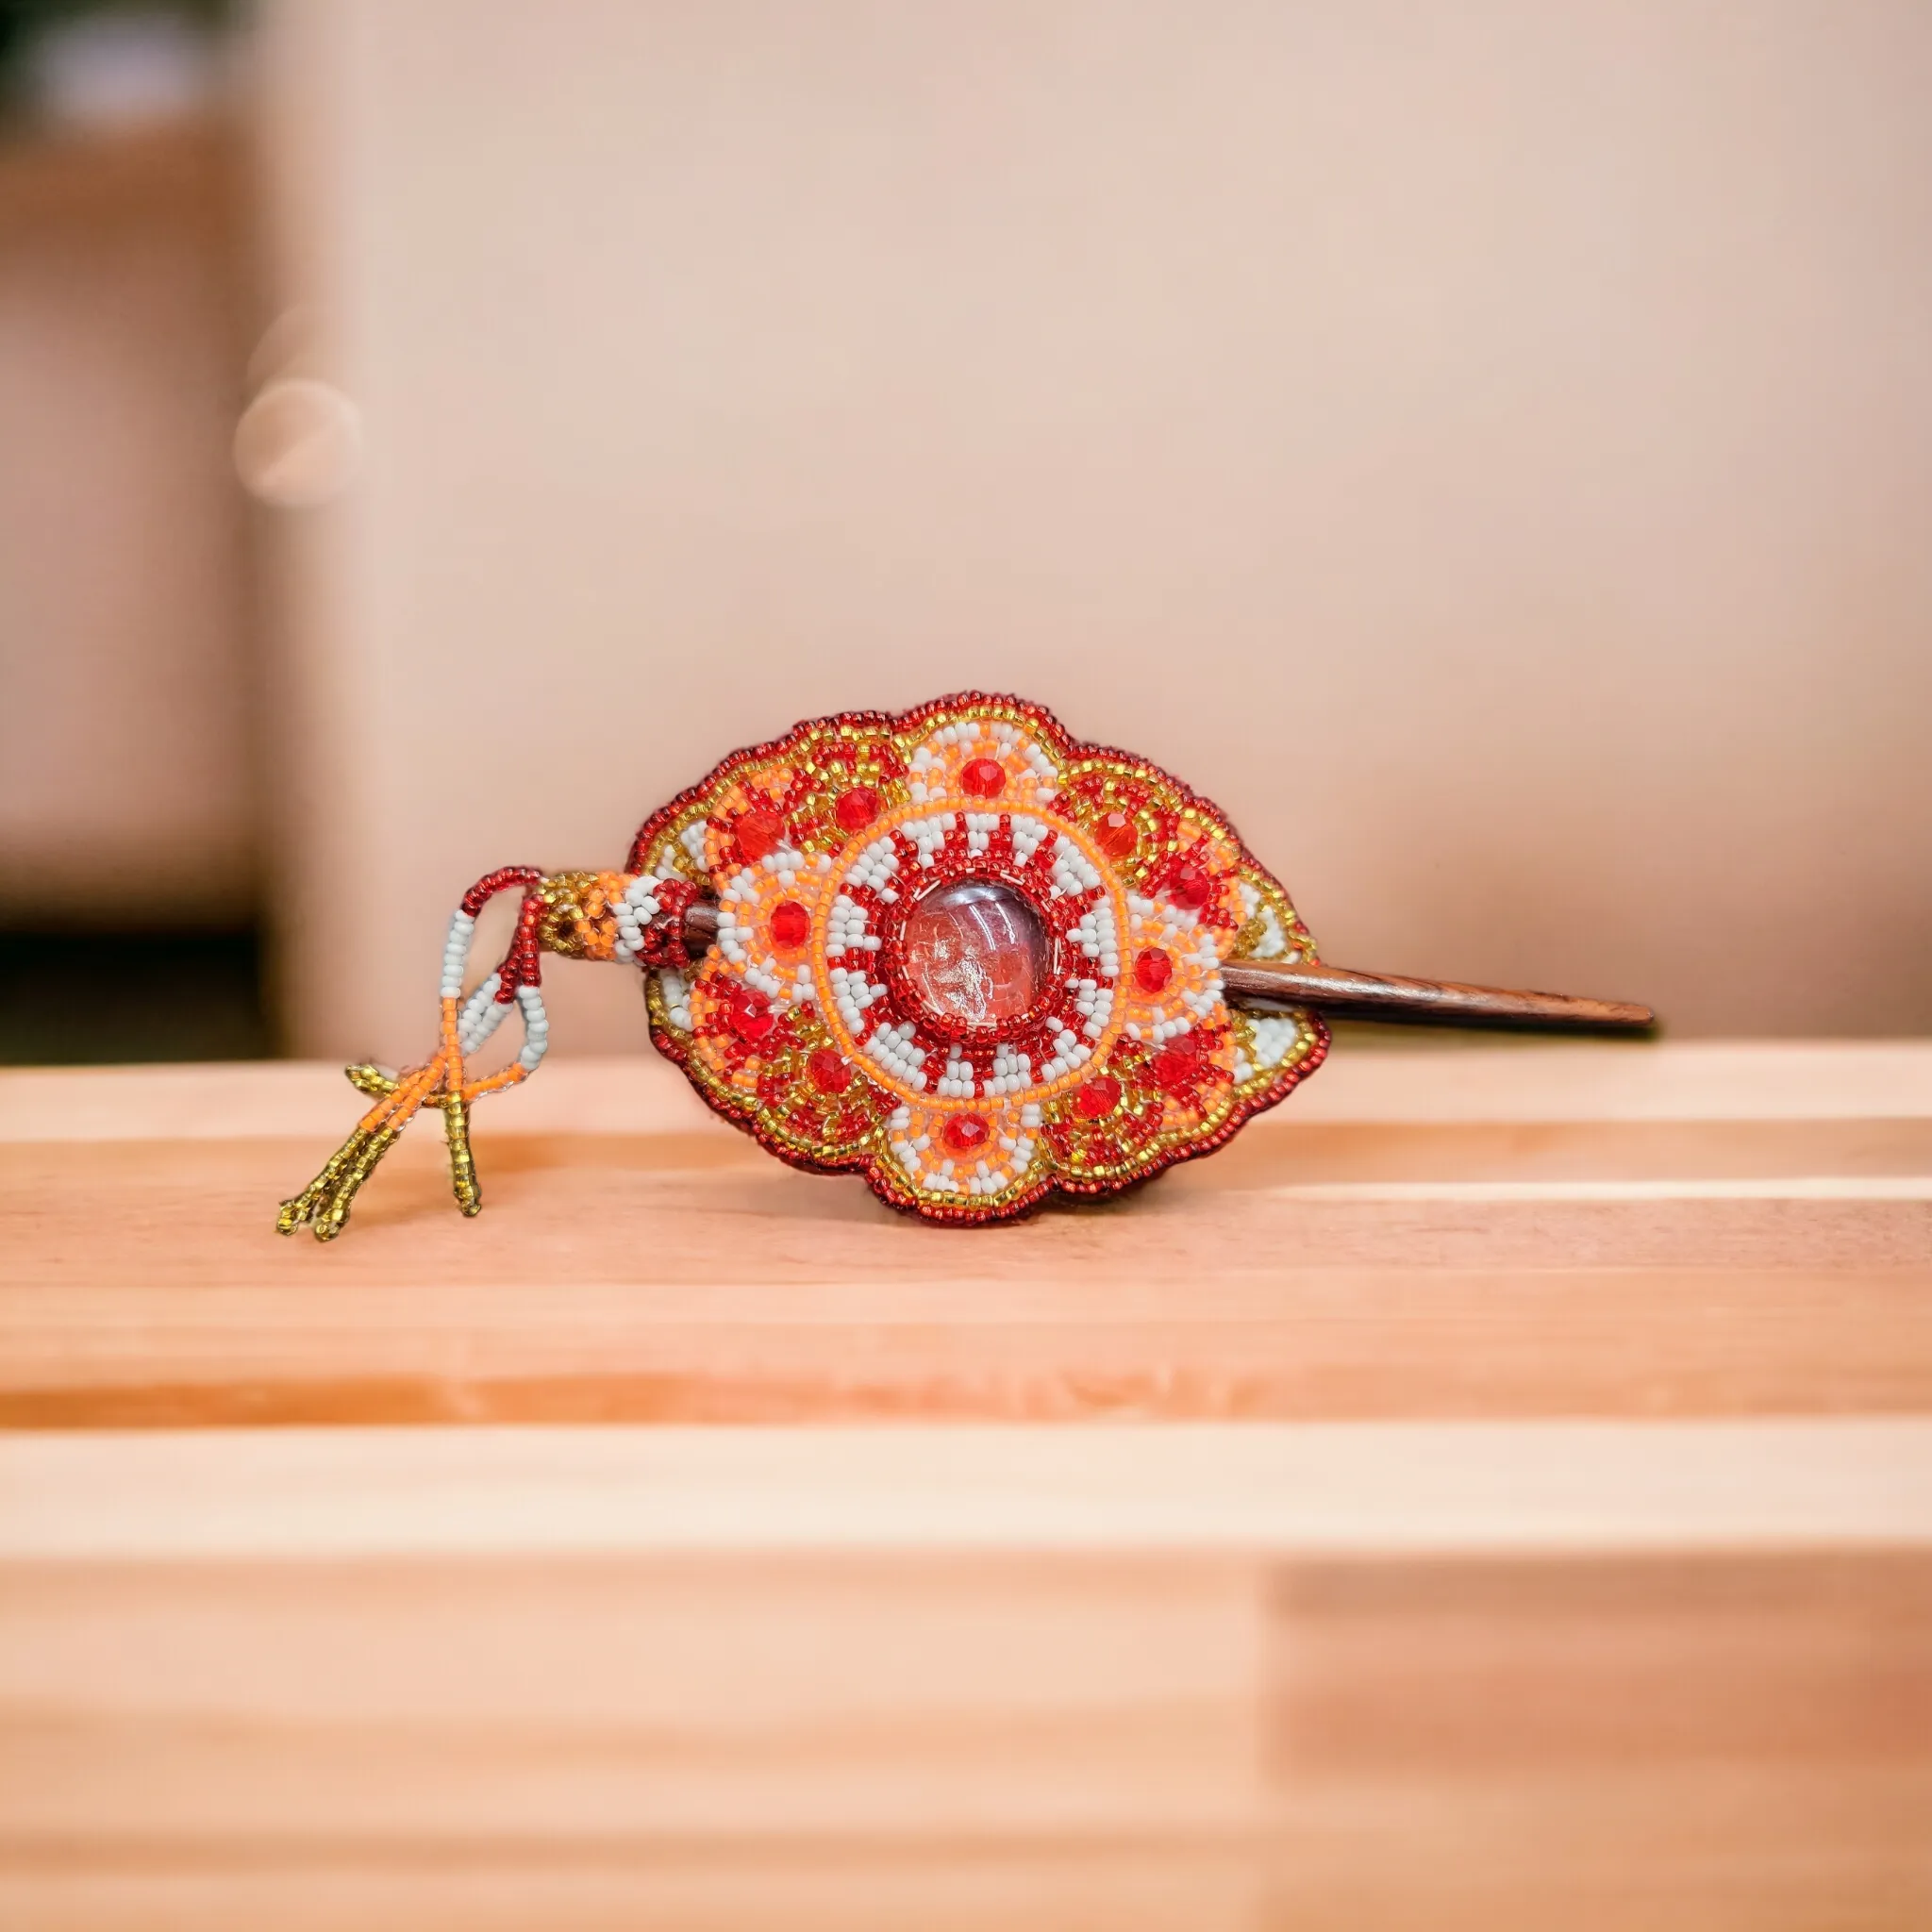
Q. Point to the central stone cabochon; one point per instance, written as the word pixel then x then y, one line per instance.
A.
pixel 976 953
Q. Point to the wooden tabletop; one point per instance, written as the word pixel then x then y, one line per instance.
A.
pixel 1525 1230
pixel 1551 1543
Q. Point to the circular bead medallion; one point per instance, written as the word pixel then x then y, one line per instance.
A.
pixel 991 942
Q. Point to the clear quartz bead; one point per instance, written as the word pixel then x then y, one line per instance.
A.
pixel 976 953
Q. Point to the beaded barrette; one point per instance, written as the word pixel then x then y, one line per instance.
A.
pixel 954 951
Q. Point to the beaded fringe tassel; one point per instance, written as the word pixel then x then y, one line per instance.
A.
pixel 570 914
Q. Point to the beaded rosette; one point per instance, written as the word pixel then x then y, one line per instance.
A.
pixel 970 957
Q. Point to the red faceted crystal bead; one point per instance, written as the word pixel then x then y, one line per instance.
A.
pixel 1172 1070
pixel 1116 835
pixel 1191 888
pixel 1178 1063
pixel 830 1072
pixel 790 923
pixel 965 1133
pixel 1097 1098
pixel 749 1017
pixel 1153 969
pixel 857 808
pixel 983 778
pixel 974 954
pixel 759 833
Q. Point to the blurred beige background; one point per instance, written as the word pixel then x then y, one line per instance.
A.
pixel 127 658
pixel 1489 447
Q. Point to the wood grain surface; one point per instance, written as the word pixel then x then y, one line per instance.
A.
pixel 1733 1231
pixel 1383 1675
pixel 1550 1543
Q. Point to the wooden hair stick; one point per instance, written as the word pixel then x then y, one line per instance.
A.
pixel 1267 985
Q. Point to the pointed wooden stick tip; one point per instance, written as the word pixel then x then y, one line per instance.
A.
pixel 1380 995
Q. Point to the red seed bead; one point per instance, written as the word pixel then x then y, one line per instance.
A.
pixel 857 808
pixel 750 1017
pixel 1191 888
pixel 1097 1098
pixel 1116 835
pixel 790 923
pixel 983 778
pixel 1153 969
pixel 831 1072
pixel 759 833
pixel 966 1133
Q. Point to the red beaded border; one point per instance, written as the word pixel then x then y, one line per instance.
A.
pixel 881 1173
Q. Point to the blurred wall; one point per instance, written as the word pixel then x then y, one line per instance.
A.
pixel 126 773
pixel 1488 446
